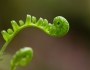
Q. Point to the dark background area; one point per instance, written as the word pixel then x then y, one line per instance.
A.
pixel 70 52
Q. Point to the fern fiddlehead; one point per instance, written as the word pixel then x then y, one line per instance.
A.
pixel 54 29
pixel 22 57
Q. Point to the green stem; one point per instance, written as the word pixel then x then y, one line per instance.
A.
pixel 4 47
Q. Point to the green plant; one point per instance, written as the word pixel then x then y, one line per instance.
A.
pixel 58 28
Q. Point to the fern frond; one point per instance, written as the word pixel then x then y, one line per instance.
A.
pixel 58 28
pixel 54 29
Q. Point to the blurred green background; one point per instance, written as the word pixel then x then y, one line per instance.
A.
pixel 70 52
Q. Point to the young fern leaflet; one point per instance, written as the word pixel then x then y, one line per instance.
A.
pixel 54 29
